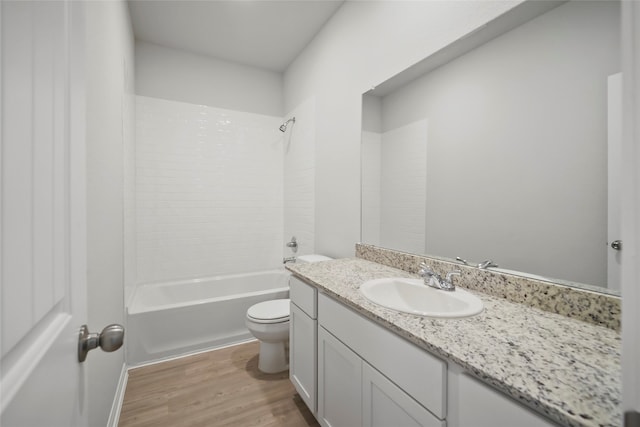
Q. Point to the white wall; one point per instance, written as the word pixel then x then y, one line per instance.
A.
pixel 109 82
pixel 362 45
pixel 517 166
pixel 299 178
pixel 178 75
pixel 209 191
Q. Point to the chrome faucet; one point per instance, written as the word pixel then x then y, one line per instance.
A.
pixel 486 264
pixel 289 259
pixel 433 279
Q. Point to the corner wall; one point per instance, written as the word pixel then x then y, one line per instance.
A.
pixel 362 45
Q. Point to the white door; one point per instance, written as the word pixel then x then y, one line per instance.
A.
pixel 43 266
pixel 614 179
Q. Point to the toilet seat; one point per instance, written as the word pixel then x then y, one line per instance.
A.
pixel 274 311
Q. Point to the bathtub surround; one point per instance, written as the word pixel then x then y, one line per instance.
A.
pixel 566 369
pixel 591 307
pixel 299 178
pixel 209 191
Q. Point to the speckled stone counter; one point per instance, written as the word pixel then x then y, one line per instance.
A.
pixel 564 368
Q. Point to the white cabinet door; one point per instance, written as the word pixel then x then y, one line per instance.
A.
pixel 302 355
pixel 472 403
pixel 339 383
pixel 384 404
pixel 43 290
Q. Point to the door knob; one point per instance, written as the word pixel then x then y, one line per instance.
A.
pixel 110 339
pixel 617 245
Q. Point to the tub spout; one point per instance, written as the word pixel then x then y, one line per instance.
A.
pixel 289 259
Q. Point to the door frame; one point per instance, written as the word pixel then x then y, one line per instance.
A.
pixel 631 207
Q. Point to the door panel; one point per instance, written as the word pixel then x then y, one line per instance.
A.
pixel 302 355
pixel 385 404
pixel 339 383
pixel 43 213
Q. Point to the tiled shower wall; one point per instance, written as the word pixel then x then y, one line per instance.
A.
pixel 299 178
pixel 209 191
pixel 394 181
pixel 371 173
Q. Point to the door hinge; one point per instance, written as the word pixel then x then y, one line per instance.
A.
pixel 632 419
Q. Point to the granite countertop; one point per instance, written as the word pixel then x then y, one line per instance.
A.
pixel 561 367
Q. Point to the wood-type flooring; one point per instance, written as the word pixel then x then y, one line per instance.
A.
pixel 215 389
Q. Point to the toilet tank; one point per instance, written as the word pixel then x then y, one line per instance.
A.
pixel 308 259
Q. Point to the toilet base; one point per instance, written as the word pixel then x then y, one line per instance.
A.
pixel 273 357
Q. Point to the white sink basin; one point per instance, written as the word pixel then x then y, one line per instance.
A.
pixel 413 296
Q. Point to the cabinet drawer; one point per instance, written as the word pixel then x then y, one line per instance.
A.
pixel 420 374
pixel 304 296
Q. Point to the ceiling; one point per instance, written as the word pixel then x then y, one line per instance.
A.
pixel 260 33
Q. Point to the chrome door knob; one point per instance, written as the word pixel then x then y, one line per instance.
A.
pixel 110 339
pixel 617 245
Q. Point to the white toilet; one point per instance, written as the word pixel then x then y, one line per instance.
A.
pixel 268 321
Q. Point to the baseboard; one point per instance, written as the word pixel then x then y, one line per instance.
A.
pixel 114 416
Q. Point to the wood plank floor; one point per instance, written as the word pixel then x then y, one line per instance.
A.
pixel 218 388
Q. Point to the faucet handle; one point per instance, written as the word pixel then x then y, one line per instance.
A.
pixel 450 275
pixel 293 244
pixel 486 264
pixel 425 271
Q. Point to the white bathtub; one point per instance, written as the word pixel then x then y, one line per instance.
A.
pixel 174 318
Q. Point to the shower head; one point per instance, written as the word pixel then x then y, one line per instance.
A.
pixel 283 127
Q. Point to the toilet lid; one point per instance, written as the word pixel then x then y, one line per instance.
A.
pixel 273 311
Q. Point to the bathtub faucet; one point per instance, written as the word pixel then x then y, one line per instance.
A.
pixel 289 259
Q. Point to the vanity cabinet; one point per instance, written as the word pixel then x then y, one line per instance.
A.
pixel 353 393
pixel 302 341
pixel 371 377
pixel 351 371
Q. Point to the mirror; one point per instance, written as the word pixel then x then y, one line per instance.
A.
pixel 496 147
